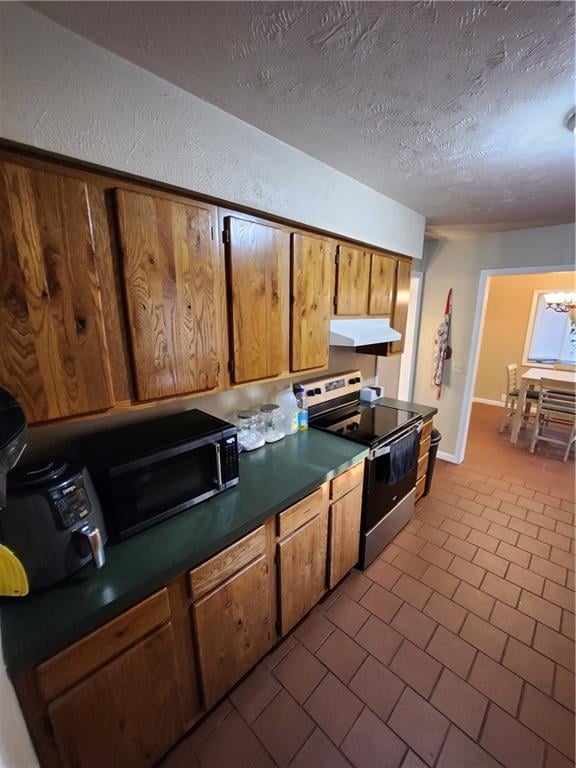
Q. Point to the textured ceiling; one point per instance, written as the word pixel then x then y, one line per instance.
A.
pixel 454 108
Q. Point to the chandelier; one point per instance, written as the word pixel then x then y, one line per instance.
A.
pixel 562 302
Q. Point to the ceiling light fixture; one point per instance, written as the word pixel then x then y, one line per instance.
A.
pixel 570 121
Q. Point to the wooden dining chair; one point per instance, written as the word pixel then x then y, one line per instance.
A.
pixel 556 409
pixel 511 401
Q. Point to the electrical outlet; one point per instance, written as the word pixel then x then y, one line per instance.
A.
pixel 457 367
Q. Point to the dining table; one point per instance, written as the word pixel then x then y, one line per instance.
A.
pixel 530 378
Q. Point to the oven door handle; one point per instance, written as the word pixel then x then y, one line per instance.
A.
pixel 219 483
pixel 385 449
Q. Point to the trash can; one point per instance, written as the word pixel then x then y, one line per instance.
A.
pixel 434 442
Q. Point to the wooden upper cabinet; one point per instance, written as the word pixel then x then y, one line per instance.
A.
pixel 53 348
pixel 352 281
pixel 172 284
pixel 127 714
pixel 382 284
pixel 400 312
pixel 311 302
pixel 258 261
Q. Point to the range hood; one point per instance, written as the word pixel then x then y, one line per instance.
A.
pixel 361 332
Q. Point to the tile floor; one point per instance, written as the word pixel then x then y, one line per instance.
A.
pixel 455 649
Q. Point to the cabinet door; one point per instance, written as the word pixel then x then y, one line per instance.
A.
pixel 53 351
pixel 172 276
pixel 125 715
pixel 301 571
pixel 382 280
pixel 234 628
pixel 311 302
pixel 344 536
pixel 400 313
pixel 258 272
pixel 352 281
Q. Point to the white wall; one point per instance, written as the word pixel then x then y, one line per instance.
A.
pixel 457 264
pixel 62 93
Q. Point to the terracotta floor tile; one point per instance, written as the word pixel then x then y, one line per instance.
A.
pixel 421 726
pixel 452 651
pixel 440 581
pixel 501 589
pixel 513 622
pixel 510 742
pixel 355 585
pixel 564 692
pixel 540 609
pixel 347 614
pixel 379 639
pixel 334 707
pixel 548 719
pixel 299 672
pixel 497 683
pixel 408 542
pixel 436 555
pixel 319 752
pixel 461 703
pixel 277 654
pixel 565 559
pixel 491 562
pixel 416 668
pixel 414 592
pixel 283 728
pixel 514 510
pixel 313 631
pixel 541 520
pixel 459 547
pixel 377 687
pixel 525 579
pixel 389 553
pixel 503 533
pixel 413 761
pixel 530 665
pixel 474 600
pixel 383 573
pixel 209 723
pixel 474 521
pixel 534 546
pixel 255 692
pixel 371 743
pixel 559 595
pixel 461 752
pixel 445 611
pixel 231 743
pixel 567 625
pixel 410 564
pixel 181 756
pixel 555 646
pixel 456 529
pixel 492 509
pixel 484 636
pixel 513 554
pixel 433 535
pixel 414 625
pixel 555 760
pixel 381 603
pixel 555 539
pixel 341 655
pixel 467 571
pixel 483 540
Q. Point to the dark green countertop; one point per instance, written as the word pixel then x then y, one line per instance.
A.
pixel 271 479
pixel 424 410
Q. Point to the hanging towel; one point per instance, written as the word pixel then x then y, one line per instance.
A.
pixel 403 457
pixel 442 348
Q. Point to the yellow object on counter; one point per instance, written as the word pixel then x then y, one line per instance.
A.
pixel 13 579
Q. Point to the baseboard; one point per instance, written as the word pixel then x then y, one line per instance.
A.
pixel 485 401
pixel 448 457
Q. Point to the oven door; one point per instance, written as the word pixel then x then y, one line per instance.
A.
pixel 154 489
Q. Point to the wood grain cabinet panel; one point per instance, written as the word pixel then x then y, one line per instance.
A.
pixel 171 274
pixel 344 534
pixel 352 281
pixel 53 351
pixel 234 628
pixel 258 262
pixel 125 715
pixel 311 302
pixel 382 284
pixel 400 313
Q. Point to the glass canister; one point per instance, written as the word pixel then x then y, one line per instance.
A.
pixel 272 420
pixel 250 436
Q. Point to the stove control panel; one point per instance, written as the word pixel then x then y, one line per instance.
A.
pixel 330 387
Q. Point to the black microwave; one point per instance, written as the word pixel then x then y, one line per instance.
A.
pixel 147 472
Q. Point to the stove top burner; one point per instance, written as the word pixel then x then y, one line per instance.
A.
pixel 365 423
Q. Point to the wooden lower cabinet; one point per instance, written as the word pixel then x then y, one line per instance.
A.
pixel 423 454
pixel 125 715
pixel 344 535
pixel 234 627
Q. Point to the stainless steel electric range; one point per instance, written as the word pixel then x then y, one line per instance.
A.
pixel 391 434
